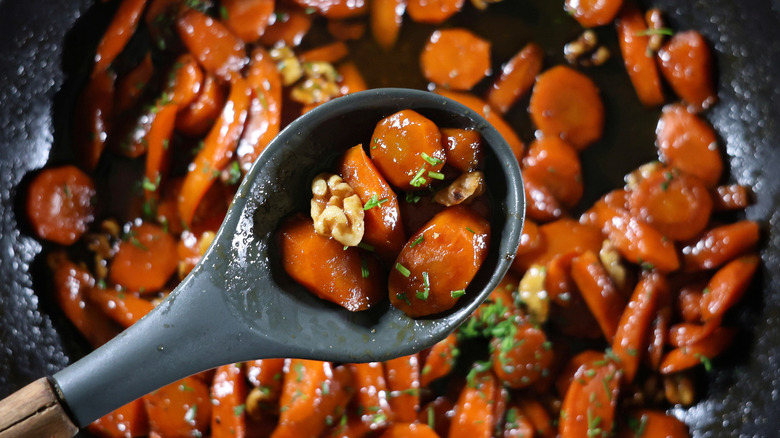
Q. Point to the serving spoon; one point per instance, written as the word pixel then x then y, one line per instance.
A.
pixel 238 304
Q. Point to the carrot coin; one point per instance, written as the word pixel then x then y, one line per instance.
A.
pixel 146 259
pixel 591 13
pixel 455 59
pixel 433 11
pixel 61 204
pixel 516 79
pixel 642 69
pixel 555 164
pixel 463 147
pixel 686 63
pixel 688 143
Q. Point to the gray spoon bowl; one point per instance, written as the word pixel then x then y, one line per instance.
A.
pixel 238 304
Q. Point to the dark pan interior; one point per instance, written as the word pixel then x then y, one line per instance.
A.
pixel 44 50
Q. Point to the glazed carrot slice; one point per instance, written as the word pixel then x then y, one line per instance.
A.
pixel 184 81
pixel 566 375
pixel 335 9
pixel 647 423
pixel 592 13
pixel 474 415
pixel 463 148
pixel 217 49
pixel 403 382
pixel 659 337
pixel 71 285
pixel 117 35
pixel 386 18
pixel 371 393
pixel 406 148
pixel 589 405
pixel 482 108
pixel 727 286
pixel 558 281
pixel 159 19
pixel 218 147
pixel 689 301
pixel 248 19
pixel 439 261
pixel 561 237
pixel 439 361
pixel 719 245
pixel 566 104
pixel 522 357
pixel 437 414
pixel 600 294
pixel 516 424
pixel 516 79
pixel 146 259
pixel 697 353
pixel 159 150
pixel 60 204
pixel 409 430
pixel 634 325
pixel 541 205
pixel 129 421
pixel 538 416
pixel 288 28
pixel 641 68
pixel 686 333
pixel 383 227
pixel 433 11
pixel 676 204
pixel 94 112
pixel 688 143
pixel 180 409
pixel 499 306
pixel 350 278
pixel 265 111
pixel 197 118
pixel 126 308
pixel 345 30
pixel 686 63
pixel 555 164
pixel 731 197
pixel 331 53
pixel 312 391
pixel 531 239
pixel 455 59
pixel 351 79
pixel 228 395
pixel 130 87
pixel 266 374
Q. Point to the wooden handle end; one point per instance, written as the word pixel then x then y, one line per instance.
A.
pixel 35 411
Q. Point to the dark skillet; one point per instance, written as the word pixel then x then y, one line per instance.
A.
pixel 44 46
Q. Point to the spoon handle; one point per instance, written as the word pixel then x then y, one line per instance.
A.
pixel 35 410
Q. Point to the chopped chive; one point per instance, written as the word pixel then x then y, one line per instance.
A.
pixel 412 198
pixel 402 269
pixel 223 12
pixel 150 185
pixel 137 243
pixel 66 189
pixel 345 247
pixel 418 240
pixel 705 361
pixel 238 410
pixel 309 11
pixel 366 246
pixel 436 175
pixel 364 267
pixel 650 32
pixel 470 230
pixel 422 295
pixel 418 179
pixel 430 160
pixel 374 202
pixel 404 298
pixel 431 418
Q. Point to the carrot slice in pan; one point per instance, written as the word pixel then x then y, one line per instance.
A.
pixel 561 237
pixel 566 375
pixel 539 417
pixel 555 164
pixel 686 333
pixel 719 245
pixel 126 308
pixel 146 259
pixel 197 118
pixel 403 382
pixel 474 415
pixel 640 64
pixel 589 405
pixel 265 111
pixel 335 9
pixel 181 409
pixel 185 81
pixel 634 325
pixel 217 49
pixel 689 301
pixel 456 59
pixel 371 394
pixel 523 357
pixel 409 430
pixel 94 113
pixel 248 19
pixel 591 13
pixel 386 18
pixel 516 424
pixel 351 79
pixel 558 281
pixel 541 205
pixel 129 420
pixel 218 148
pixel 345 30
pixel 130 87
pixel 516 79
pixel 266 373
pixel 731 197
pixel 331 53
pixel 658 337
pixel 531 239
pixel 566 104
pixel 699 352
pixel 727 286
pixel 601 296
pixel 437 414
pixel 433 11
pixel 688 143
pixel 463 148
pixel 60 204
pixel 439 361
pixel 159 150
pixel 686 63
pixel 647 423
pixel 288 29
pixel 228 395
pixel 383 227
pixel 159 17
pixel 117 35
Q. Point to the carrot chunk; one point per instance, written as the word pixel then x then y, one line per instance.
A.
pixel 198 117
pixel 652 424
pixel 288 29
pixel 727 286
pixel 180 409
pixel 117 35
pixel 335 9
pixel 92 123
pixel 128 421
pixel 439 361
pixel 463 148
pixel 555 164
pixel 228 395
pixel 433 11
pixel 516 79
pixel 217 49
pixel 386 18
pixel 600 294
pixel 700 352
pixel 455 59
pixel 521 358
pixel 686 63
pixel 146 259
pixel 403 382
pixel 474 415
pixel 719 245
pixel 60 204
pixel 409 430
pixel 371 394
pixel 126 308
pixel 641 68
pixel 686 142
pixel 589 405
pixel 591 13
pixel 248 19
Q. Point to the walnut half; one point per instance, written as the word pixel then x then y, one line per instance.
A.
pixel 464 189
pixel 336 210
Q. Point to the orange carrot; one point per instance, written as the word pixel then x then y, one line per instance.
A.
pixel 474 415
pixel 128 421
pixel 559 237
pixel 516 424
pixel 700 352
pixel 180 409
pixel 159 149
pixel 433 11
pixel 641 68
pixel 555 164
pixel 689 301
pixel 437 414
pixel 248 18
pixel 403 382
pixel 117 35
pixel 731 197
pixel 197 118
pixel 686 63
pixel 265 111
pixel 455 59
pixel 217 49
pixel 558 282
pixel 686 333
pixel 727 286
pixel 539 417
pixel 228 395
pixel 648 423
pixel 463 148
pixel 60 204
pixel 541 205
pixel 288 28
pixel 335 9
pixel 266 373
pixel 159 17
pixel 130 87
pixel 92 123
pixel 386 18
pixel 439 361
pixel 719 245
pixel 658 337
pixel 351 79
pixel 409 430
pixel 566 104
pixel 522 357
pixel 218 147
pixel 344 30
pixel 126 308
pixel 592 13
pixel 516 79
pixel 600 294
pixel 145 259
pixel 331 53
pixel 371 394
pixel 589 405
pixel 184 81
pixel 531 239
pixel 689 144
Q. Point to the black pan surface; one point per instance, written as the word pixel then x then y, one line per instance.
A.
pixel 44 51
